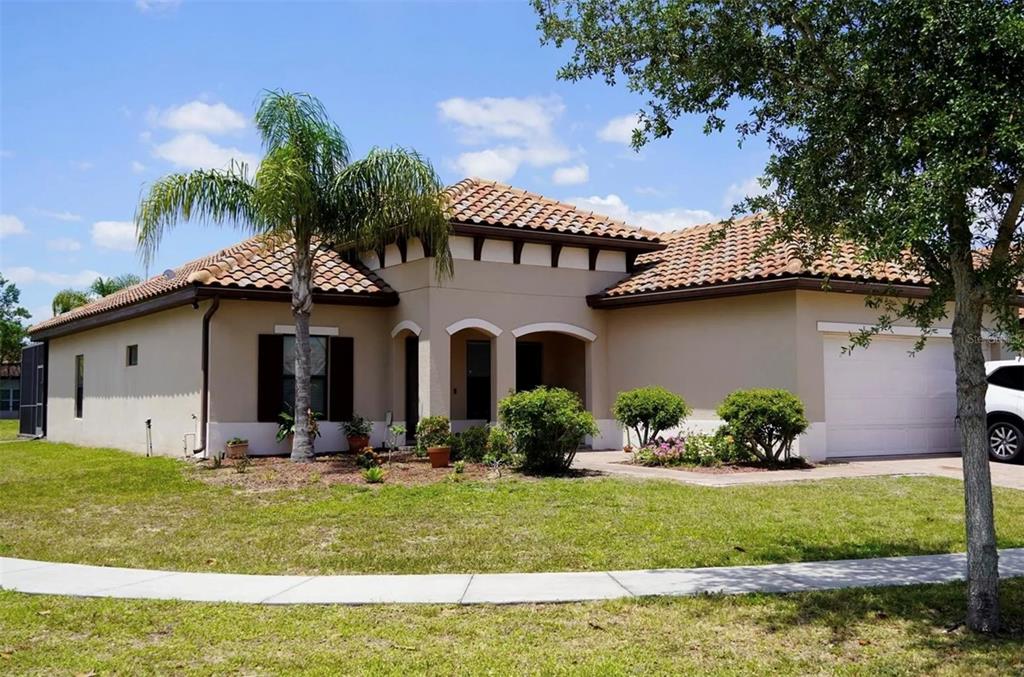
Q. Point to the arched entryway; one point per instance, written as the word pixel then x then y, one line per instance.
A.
pixel 555 355
pixel 472 372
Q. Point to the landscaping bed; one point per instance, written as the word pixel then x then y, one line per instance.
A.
pixel 273 472
pixel 727 468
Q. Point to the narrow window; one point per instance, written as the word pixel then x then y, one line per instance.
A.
pixel 79 384
pixel 317 370
pixel 132 355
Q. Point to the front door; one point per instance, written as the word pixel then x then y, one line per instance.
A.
pixel 478 380
pixel 412 387
pixel 529 364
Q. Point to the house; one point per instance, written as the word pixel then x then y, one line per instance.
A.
pixel 543 293
pixel 10 390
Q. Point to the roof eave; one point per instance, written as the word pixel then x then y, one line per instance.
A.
pixel 805 282
pixel 556 237
pixel 195 293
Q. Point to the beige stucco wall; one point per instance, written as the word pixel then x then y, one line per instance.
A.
pixel 163 387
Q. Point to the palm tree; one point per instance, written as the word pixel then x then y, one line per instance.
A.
pixel 69 299
pixel 107 286
pixel 307 192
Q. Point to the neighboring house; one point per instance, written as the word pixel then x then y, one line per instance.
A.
pixel 10 390
pixel 543 293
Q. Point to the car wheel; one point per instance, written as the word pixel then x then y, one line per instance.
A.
pixel 1005 441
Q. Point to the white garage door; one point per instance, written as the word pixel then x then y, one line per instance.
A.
pixel 880 400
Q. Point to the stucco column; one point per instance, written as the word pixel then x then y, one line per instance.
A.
pixel 503 361
pixel 597 396
pixel 435 372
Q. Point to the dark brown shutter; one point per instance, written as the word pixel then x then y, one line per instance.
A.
pixel 340 378
pixel 269 391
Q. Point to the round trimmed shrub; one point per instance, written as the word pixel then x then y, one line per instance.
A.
pixel 547 426
pixel 648 411
pixel 433 431
pixel 764 422
pixel 470 444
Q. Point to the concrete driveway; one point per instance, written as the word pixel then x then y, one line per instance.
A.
pixel 616 462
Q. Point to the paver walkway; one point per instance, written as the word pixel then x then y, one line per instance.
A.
pixel 1008 475
pixel 32 576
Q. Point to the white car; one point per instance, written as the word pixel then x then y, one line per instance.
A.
pixel 1004 403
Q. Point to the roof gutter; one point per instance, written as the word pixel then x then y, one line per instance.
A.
pixel 204 402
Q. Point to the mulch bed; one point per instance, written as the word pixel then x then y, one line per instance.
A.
pixel 732 469
pixel 270 473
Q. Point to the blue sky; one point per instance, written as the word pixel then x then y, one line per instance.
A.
pixel 99 99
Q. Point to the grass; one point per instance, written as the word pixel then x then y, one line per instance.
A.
pixel 895 631
pixel 65 503
pixel 8 429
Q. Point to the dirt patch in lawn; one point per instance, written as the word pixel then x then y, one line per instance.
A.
pixel 732 468
pixel 269 474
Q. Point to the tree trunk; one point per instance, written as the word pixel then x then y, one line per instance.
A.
pixel 302 307
pixel 982 556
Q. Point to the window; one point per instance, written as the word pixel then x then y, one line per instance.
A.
pixel 1008 377
pixel 79 384
pixel 317 370
pixel 132 355
pixel 10 395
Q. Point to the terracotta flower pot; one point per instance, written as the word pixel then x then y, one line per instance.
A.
pixel 440 457
pixel 357 443
pixel 238 450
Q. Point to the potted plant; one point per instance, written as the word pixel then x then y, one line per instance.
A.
pixel 434 433
pixel 237 447
pixel 286 425
pixel 357 432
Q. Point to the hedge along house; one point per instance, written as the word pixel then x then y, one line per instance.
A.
pixel 542 294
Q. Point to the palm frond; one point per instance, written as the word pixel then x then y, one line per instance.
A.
pixel 392 193
pixel 220 196
pixel 106 286
pixel 300 121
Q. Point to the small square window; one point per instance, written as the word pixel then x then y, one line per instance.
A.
pixel 132 355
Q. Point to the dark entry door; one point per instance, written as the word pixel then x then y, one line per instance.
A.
pixel 478 380
pixel 412 387
pixel 33 390
pixel 529 364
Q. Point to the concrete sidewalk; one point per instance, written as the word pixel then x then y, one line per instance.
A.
pixel 51 578
pixel 1007 475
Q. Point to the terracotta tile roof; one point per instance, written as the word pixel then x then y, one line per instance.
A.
pixel 246 265
pixel 481 202
pixel 685 263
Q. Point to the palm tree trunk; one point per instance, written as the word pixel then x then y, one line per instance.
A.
pixel 982 555
pixel 302 307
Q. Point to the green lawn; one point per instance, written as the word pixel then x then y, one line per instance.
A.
pixel 895 631
pixel 65 503
pixel 8 429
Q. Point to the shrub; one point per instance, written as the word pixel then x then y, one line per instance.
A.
pixel 692 449
pixel 648 411
pixel 433 431
pixel 368 458
pixel 374 475
pixel 460 467
pixel 500 448
pixel 547 426
pixel 471 443
pixel 764 422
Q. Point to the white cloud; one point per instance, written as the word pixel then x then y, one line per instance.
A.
pixel 620 129
pixel 522 128
pixel 738 191
pixel 60 216
pixel 196 151
pixel 28 275
pixel 668 219
pixel 565 176
pixel 11 225
pixel 138 167
pixel 648 190
pixel 83 165
pixel 64 244
pixel 156 5
pixel 6 153
pixel 117 235
pixel 197 116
